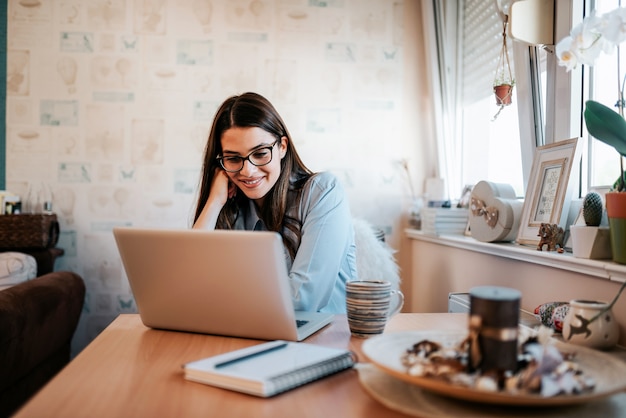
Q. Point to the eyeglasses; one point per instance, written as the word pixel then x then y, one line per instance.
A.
pixel 259 157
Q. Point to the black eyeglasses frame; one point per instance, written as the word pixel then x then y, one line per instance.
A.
pixel 220 158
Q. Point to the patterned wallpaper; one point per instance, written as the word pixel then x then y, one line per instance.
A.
pixel 109 103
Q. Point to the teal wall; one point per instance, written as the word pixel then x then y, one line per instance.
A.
pixel 3 93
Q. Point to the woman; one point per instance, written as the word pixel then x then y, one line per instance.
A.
pixel 254 179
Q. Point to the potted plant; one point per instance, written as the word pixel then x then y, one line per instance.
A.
pixel 503 82
pixel 586 41
pixel 591 240
pixel 503 90
pixel 609 127
pixel 584 44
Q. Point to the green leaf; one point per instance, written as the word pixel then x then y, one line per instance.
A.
pixel 606 125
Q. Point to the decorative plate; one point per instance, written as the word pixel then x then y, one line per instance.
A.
pixel 386 350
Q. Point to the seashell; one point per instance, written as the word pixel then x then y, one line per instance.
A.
pixel 487 384
pixel 417 370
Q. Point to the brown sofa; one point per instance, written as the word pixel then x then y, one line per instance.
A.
pixel 37 322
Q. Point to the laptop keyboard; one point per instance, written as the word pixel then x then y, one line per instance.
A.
pixel 300 322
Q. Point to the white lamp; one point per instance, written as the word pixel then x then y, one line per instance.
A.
pixel 532 21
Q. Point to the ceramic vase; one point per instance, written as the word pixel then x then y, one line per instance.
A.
pixel 580 328
pixel 616 212
pixel 591 242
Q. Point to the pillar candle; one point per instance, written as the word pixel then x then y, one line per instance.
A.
pixel 493 327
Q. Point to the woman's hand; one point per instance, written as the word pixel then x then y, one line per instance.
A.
pixel 222 189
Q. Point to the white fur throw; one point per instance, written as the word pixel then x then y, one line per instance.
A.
pixel 374 258
pixel 16 268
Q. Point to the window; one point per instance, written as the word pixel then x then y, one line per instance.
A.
pixel 603 86
pixel 547 101
pixel 474 144
pixel 490 136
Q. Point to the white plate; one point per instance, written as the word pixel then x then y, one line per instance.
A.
pixel 386 350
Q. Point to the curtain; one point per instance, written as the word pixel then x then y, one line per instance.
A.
pixel 463 42
pixel 440 32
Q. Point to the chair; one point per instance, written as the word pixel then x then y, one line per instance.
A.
pixel 374 258
pixel 38 318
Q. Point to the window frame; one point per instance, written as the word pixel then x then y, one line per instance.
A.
pixel 528 100
pixel 564 98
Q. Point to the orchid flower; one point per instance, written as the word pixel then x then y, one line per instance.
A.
pixel 584 44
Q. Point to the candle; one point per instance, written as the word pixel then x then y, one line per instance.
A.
pixel 493 327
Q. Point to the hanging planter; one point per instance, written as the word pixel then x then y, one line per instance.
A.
pixel 503 82
pixel 503 94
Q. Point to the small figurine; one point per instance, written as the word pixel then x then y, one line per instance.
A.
pixel 552 236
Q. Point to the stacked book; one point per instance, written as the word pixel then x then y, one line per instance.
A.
pixel 438 221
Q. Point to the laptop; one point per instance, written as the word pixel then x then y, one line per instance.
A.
pixel 232 283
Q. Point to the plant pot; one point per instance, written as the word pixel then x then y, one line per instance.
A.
pixel 590 241
pixel 504 94
pixel 602 333
pixel 616 212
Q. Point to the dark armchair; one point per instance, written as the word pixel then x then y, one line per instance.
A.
pixel 38 319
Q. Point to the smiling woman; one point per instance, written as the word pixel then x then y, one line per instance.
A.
pixel 253 179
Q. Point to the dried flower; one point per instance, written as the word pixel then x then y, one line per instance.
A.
pixel 405 166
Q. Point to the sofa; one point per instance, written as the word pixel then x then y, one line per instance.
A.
pixel 38 318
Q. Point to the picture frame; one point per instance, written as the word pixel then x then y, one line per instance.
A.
pixel 550 186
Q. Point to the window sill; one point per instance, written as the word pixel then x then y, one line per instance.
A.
pixel 605 269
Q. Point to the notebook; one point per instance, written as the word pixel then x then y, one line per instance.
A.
pixel 270 368
pixel 232 283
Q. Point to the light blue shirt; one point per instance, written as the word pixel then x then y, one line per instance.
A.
pixel 326 258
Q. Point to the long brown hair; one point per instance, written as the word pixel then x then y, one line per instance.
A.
pixel 246 111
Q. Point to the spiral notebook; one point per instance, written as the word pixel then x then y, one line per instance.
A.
pixel 270 368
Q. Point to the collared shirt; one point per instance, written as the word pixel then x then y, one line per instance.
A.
pixel 326 257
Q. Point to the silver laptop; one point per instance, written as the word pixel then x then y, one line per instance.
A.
pixel 231 283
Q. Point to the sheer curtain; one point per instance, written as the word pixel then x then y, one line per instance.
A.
pixel 440 21
pixel 463 43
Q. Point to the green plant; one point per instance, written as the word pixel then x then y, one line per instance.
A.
pixel 503 80
pixel 608 126
pixel 592 209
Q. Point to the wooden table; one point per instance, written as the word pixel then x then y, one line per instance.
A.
pixel 133 371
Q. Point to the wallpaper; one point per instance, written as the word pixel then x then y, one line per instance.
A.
pixel 109 104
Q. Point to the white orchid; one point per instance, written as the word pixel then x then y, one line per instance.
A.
pixel 584 44
pixel 594 35
pixel 613 27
